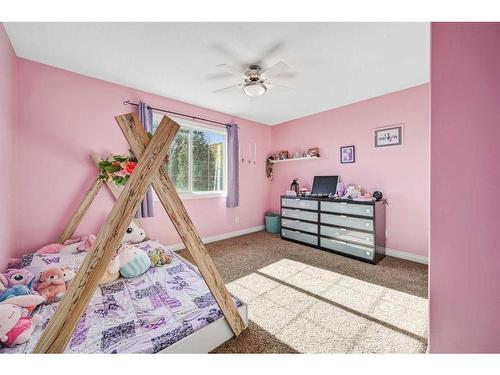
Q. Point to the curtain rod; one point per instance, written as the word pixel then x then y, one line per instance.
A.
pixel 128 102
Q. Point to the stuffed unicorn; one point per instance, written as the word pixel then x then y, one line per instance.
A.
pixel 128 260
pixel 16 326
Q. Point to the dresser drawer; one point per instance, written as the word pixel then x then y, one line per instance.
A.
pixel 355 250
pixel 348 208
pixel 299 203
pixel 300 225
pixel 298 236
pixel 347 221
pixel 349 235
pixel 298 214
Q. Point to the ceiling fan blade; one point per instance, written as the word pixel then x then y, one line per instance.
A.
pixel 229 69
pixel 226 88
pixel 270 52
pixel 270 84
pixel 276 69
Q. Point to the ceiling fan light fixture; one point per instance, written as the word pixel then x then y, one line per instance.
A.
pixel 254 89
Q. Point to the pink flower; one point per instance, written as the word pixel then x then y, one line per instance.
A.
pixel 120 173
pixel 129 167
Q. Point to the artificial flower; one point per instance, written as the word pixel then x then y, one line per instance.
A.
pixel 129 167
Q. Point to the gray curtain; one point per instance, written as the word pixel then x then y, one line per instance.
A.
pixel 233 167
pixel 146 117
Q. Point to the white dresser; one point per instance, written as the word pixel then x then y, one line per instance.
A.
pixel 343 226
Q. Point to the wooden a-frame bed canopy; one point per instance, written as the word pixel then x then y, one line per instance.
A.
pixel 151 154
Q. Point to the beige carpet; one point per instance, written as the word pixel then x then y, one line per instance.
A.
pixel 303 300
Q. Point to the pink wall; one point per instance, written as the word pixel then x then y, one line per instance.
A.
pixel 465 175
pixel 63 117
pixel 401 173
pixel 7 120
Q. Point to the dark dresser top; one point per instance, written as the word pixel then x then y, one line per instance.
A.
pixel 326 199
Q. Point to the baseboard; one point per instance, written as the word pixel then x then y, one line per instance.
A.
pixel 223 236
pixel 219 237
pixel 408 256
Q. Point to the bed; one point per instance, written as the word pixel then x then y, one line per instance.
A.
pixel 168 309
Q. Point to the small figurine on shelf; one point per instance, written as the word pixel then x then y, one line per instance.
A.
pixel 313 152
pixel 283 155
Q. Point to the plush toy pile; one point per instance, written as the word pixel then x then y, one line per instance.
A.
pixel 23 289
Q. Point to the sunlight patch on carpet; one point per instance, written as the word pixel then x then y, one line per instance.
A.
pixel 319 311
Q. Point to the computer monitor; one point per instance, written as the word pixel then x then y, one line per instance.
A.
pixel 324 185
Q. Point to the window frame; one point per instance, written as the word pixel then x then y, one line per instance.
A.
pixel 191 126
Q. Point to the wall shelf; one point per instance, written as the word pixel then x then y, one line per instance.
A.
pixel 294 159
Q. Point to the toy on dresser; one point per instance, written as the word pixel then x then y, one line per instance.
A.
pixel 352 191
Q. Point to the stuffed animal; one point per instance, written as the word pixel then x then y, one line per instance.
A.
pixel 16 326
pixel 133 261
pixel 14 291
pixel 51 285
pixel 352 191
pixel 68 275
pixel 158 257
pixel 73 245
pixel 133 234
pixel 17 277
pixel 52 248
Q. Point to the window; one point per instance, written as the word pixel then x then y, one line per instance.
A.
pixel 197 158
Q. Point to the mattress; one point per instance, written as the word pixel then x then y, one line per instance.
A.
pixel 139 315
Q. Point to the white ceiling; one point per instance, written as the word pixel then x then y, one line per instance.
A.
pixel 332 64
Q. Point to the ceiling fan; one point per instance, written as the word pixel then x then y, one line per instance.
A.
pixel 255 79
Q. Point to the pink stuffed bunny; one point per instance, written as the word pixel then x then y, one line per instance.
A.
pixel 16 326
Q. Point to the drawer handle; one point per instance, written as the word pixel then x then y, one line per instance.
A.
pixel 297 210
pixel 343 202
pixel 344 216
pixel 343 229
pixel 342 242
pixel 368 225
pixel 297 221
pixel 297 231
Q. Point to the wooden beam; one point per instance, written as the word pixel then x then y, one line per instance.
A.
pixel 61 326
pixel 138 140
pixel 115 189
pixel 80 211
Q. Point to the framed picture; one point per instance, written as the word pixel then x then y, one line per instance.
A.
pixel 283 155
pixel 347 154
pixel 313 152
pixel 389 136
